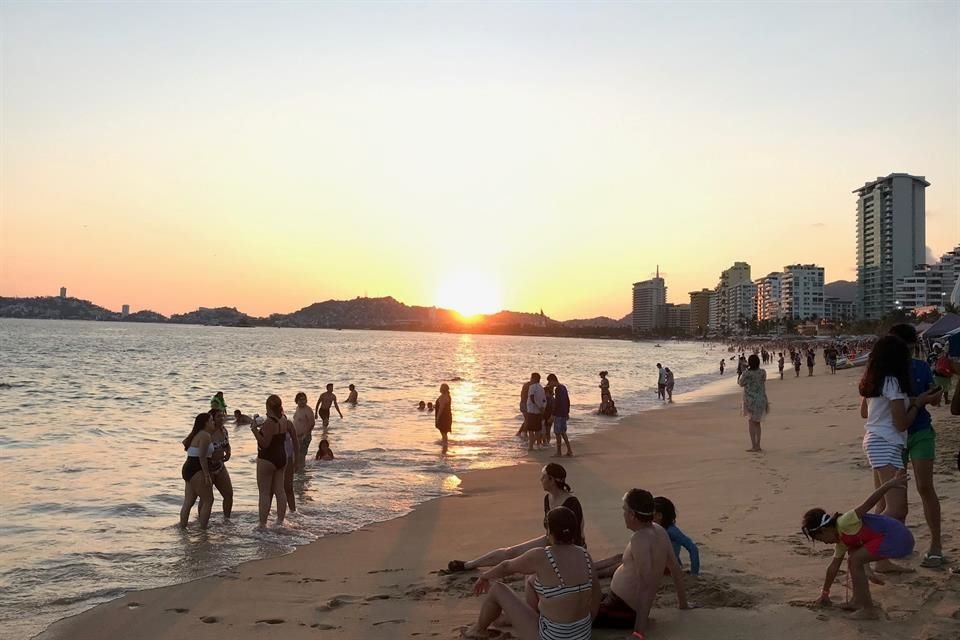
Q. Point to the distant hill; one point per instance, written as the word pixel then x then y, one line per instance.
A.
pixel 842 289
pixel 600 322
pixel 54 308
pixel 221 316
pixel 145 316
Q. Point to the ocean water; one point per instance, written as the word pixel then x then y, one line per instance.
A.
pixel 92 414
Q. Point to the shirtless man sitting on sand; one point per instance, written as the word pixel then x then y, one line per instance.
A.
pixel 634 586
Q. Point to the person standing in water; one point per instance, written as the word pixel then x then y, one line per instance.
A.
pixel 271 459
pixel 218 461
pixel 303 423
pixel 352 396
pixel 536 405
pixel 661 382
pixel 291 447
pixel 755 403
pixel 524 390
pixel 561 412
pixel 197 481
pixel 605 396
pixel 326 399
pixel 443 418
pixel 217 402
pixel 669 384
pixel 722 366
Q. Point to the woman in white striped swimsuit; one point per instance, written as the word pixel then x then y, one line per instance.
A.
pixel 568 589
pixel 889 411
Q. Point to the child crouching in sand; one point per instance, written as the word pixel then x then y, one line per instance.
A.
pixel 868 538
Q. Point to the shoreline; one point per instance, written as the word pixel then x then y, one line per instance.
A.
pixel 383 578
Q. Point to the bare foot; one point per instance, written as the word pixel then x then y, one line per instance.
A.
pixel 569 454
pixel 867 613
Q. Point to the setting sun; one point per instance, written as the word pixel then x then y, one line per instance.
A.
pixel 469 293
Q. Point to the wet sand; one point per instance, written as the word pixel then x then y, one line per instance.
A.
pixel 758 573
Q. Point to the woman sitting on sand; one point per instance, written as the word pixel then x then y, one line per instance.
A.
pixel 553 479
pixel 324 452
pixel 755 403
pixel 563 578
pixel 868 538
pixel 198 483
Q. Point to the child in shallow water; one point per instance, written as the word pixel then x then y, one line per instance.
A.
pixel 665 515
pixel 324 452
pixel 867 537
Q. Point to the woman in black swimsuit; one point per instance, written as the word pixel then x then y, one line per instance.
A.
pixel 218 462
pixel 271 459
pixel 553 479
pixel 443 419
pixel 197 482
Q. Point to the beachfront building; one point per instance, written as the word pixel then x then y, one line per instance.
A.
pixel 125 310
pixel 63 293
pixel 769 307
pixel 649 298
pixel 801 292
pixel 700 311
pixel 929 285
pixel 735 298
pixel 891 238
pixel 676 317
pixel 837 310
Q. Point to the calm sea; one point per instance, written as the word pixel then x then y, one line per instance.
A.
pixel 93 414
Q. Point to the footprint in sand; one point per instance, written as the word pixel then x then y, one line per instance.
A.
pixel 716 530
pixel 271 621
pixel 133 605
pixel 323 627
pixel 384 570
pixel 337 601
pixel 309 580
pixel 280 573
pixel 379 596
pixel 209 619
pixel 396 621
pixel 178 610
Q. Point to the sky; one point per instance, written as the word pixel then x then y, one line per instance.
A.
pixel 547 155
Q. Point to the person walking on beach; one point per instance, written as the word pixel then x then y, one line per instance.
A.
pixel 524 391
pixel 561 412
pixel 741 365
pixel 755 403
pixel 197 480
pixel 352 396
pixel 797 363
pixel 780 364
pixel 811 360
pixel 443 418
pixel 921 445
pixel 271 459
pixel 661 382
pixel 670 381
pixel 536 404
pixel 722 365
pixel 324 402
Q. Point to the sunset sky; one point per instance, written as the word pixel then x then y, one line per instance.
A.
pixel 269 155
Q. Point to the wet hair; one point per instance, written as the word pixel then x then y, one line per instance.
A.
pixel 640 502
pixel 667 511
pixel 299 395
pixel 603 374
pixel 816 520
pixel 199 423
pixel 324 442
pixel 219 394
pixel 351 387
pixel 753 362
pixel 329 386
pixel 889 357
pixel 237 412
pixel 274 402
pixel 906 332
pixel 558 474
pixel 421 405
pixel 444 388
pixel 562 524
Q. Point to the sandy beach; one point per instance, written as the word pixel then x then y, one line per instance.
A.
pixel 758 573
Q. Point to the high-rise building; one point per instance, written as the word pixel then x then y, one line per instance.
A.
pixel 891 238
pixel 125 310
pixel 63 292
pixel 837 310
pixel 735 298
pixel 769 306
pixel 801 291
pixel 649 298
pixel 929 285
pixel 700 311
pixel 677 316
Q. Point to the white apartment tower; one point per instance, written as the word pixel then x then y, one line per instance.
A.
pixel 801 291
pixel 929 284
pixel 768 297
pixel 891 237
pixel 649 300
pixel 735 297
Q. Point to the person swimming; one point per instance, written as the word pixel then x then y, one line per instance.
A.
pixel 352 396
pixel 422 406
